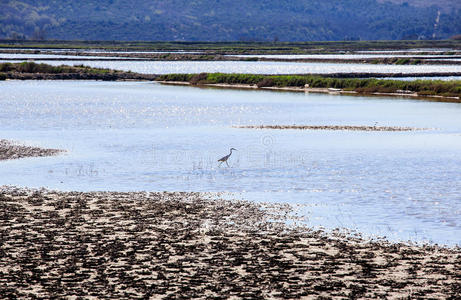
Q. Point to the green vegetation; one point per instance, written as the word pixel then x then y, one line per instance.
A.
pixel 226 20
pixel 34 71
pixel 2 76
pixel 422 87
pixel 402 61
pixel 31 67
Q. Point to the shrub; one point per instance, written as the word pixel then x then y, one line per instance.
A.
pixel 198 78
pixel 266 82
pixel 6 67
pixel 31 67
pixel 2 76
pixel 27 67
pixel 175 77
pixel 402 61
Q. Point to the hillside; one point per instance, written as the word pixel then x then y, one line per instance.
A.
pixel 224 20
pixel 444 5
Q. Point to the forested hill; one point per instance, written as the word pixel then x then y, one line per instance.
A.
pixel 444 5
pixel 226 20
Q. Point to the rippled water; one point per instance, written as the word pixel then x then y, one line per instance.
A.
pixel 97 51
pixel 340 56
pixel 144 136
pixel 445 78
pixel 451 59
pixel 38 56
pixel 419 50
pixel 167 67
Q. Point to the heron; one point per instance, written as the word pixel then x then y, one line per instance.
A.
pixel 225 158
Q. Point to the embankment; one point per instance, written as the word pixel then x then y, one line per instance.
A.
pixel 34 71
pixel 315 83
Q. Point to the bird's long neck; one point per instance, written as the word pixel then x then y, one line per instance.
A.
pixel 230 152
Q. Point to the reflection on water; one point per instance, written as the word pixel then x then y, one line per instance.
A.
pixel 251 67
pixel 342 56
pixel 38 56
pixel 144 136
pixel 445 78
pixel 419 50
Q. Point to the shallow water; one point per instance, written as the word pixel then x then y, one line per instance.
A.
pixel 445 78
pixel 96 51
pixel 340 56
pixel 6 56
pixel 251 67
pixel 418 50
pixel 129 136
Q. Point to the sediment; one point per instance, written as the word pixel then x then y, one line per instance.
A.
pixel 331 127
pixel 194 245
pixel 11 150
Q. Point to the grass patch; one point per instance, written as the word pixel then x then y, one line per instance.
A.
pixel 402 61
pixel 31 67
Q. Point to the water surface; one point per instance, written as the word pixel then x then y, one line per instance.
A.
pixel 342 56
pixel 6 56
pixel 266 67
pixel 128 136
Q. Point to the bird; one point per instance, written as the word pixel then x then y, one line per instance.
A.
pixel 225 158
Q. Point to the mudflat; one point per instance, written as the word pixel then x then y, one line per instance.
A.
pixel 11 150
pixel 197 245
pixel 332 127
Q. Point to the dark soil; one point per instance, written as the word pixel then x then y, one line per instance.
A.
pixel 10 150
pixel 188 245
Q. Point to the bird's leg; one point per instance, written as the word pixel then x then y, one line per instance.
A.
pixel 219 166
pixel 227 163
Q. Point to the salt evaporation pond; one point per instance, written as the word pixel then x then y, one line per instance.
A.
pixel 419 50
pixel 54 56
pixel 445 78
pixel 340 56
pixel 266 67
pixel 128 136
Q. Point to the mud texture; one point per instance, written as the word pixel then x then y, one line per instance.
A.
pixel 10 150
pixel 332 127
pixel 192 245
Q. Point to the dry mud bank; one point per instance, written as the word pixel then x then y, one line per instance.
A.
pixel 11 150
pixel 193 245
pixel 331 127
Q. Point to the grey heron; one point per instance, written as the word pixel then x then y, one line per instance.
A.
pixel 225 158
